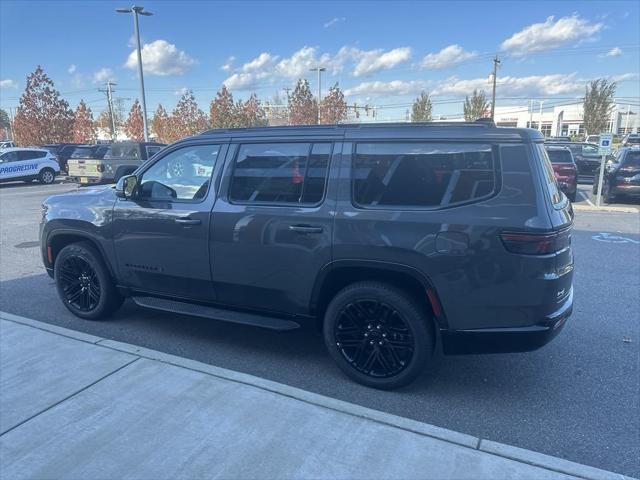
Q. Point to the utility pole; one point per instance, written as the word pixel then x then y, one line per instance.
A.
pixel 109 92
pixel 496 61
pixel 540 119
pixel 626 122
pixel 136 10
pixel 530 114
pixel 319 70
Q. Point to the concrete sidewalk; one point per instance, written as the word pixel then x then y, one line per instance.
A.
pixel 74 405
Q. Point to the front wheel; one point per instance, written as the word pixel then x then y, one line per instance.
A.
pixel 84 283
pixel 378 335
pixel 46 176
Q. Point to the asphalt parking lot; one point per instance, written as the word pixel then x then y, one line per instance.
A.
pixel 577 398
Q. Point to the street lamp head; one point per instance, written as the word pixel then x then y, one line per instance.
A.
pixel 140 10
pixel 124 10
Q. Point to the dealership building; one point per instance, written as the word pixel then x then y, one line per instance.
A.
pixel 564 120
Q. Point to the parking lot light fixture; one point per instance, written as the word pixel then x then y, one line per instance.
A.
pixel 137 10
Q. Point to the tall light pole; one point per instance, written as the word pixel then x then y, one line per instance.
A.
pixel 540 119
pixel 319 70
pixel 136 10
pixel 496 61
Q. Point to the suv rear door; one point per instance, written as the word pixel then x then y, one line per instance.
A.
pixel 273 222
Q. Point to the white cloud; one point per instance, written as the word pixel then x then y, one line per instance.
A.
pixel 551 34
pixel 161 58
pixel 228 65
pixel 180 91
pixel 8 83
pixel 268 67
pixel 104 75
pixel 447 57
pixel 394 87
pixel 374 60
pixel 334 21
pixel 614 52
pixel 72 69
pixel 624 77
pixel 531 86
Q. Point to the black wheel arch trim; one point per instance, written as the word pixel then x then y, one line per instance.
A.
pixel 85 236
pixel 382 266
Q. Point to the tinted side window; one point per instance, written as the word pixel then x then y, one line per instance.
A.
pixel 9 157
pixel 559 156
pixel 632 159
pixel 183 174
pixel 549 177
pixel 280 173
pixel 31 154
pixel 421 174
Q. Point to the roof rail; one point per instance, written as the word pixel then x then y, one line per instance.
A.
pixel 481 122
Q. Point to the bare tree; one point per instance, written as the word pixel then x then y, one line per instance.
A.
pixel 42 116
pixel 303 108
pixel 476 107
pixel 84 129
pixel 421 110
pixel 598 104
pixel 333 108
pixel 5 124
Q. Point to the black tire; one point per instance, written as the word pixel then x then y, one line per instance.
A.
pixel 369 319
pixel 572 196
pixel 84 283
pixel 46 176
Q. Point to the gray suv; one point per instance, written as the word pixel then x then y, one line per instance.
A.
pixel 397 240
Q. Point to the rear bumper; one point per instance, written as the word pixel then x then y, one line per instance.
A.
pixel 508 340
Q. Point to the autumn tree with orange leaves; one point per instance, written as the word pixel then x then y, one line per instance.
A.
pixel 333 108
pixel 160 125
pixel 42 116
pixel 222 111
pixel 303 108
pixel 134 126
pixel 187 118
pixel 84 130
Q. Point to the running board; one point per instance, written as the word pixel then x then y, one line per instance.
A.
pixel 195 310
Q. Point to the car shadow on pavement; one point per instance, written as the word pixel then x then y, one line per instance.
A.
pixel 297 358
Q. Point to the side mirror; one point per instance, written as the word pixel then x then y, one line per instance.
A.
pixel 126 186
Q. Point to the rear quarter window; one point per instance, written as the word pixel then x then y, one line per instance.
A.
pixel 549 178
pixel 560 156
pixel 421 175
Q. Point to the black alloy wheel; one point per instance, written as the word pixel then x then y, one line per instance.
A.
pixel 374 338
pixel 84 282
pixel 378 334
pixel 80 284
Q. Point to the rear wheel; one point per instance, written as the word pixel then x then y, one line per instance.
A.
pixel 607 196
pixel 572 196
pixel 378 335
pixel 46 176
pixel 84 283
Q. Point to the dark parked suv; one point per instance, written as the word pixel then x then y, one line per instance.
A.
pixel 397 239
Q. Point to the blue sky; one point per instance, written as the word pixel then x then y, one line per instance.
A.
pixel 381 53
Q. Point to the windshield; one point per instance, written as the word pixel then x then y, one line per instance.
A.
pixel 560 156
pixel 632 159
pixel 123 151
pixel 82 152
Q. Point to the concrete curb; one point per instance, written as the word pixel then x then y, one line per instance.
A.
pixel 489 447
pixel 589 208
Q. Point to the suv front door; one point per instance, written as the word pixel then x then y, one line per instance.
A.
pixel 161 234
pixel 273 223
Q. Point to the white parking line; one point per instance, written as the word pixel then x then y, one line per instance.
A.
pixel 584 195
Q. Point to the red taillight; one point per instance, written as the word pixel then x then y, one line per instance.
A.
pixel 100 167
pixel 536 243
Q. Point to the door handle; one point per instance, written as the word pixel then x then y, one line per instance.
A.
pixel 305 228
pixel 187 221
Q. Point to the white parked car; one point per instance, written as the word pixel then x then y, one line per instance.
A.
pixel 28 164
pixel 6 144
